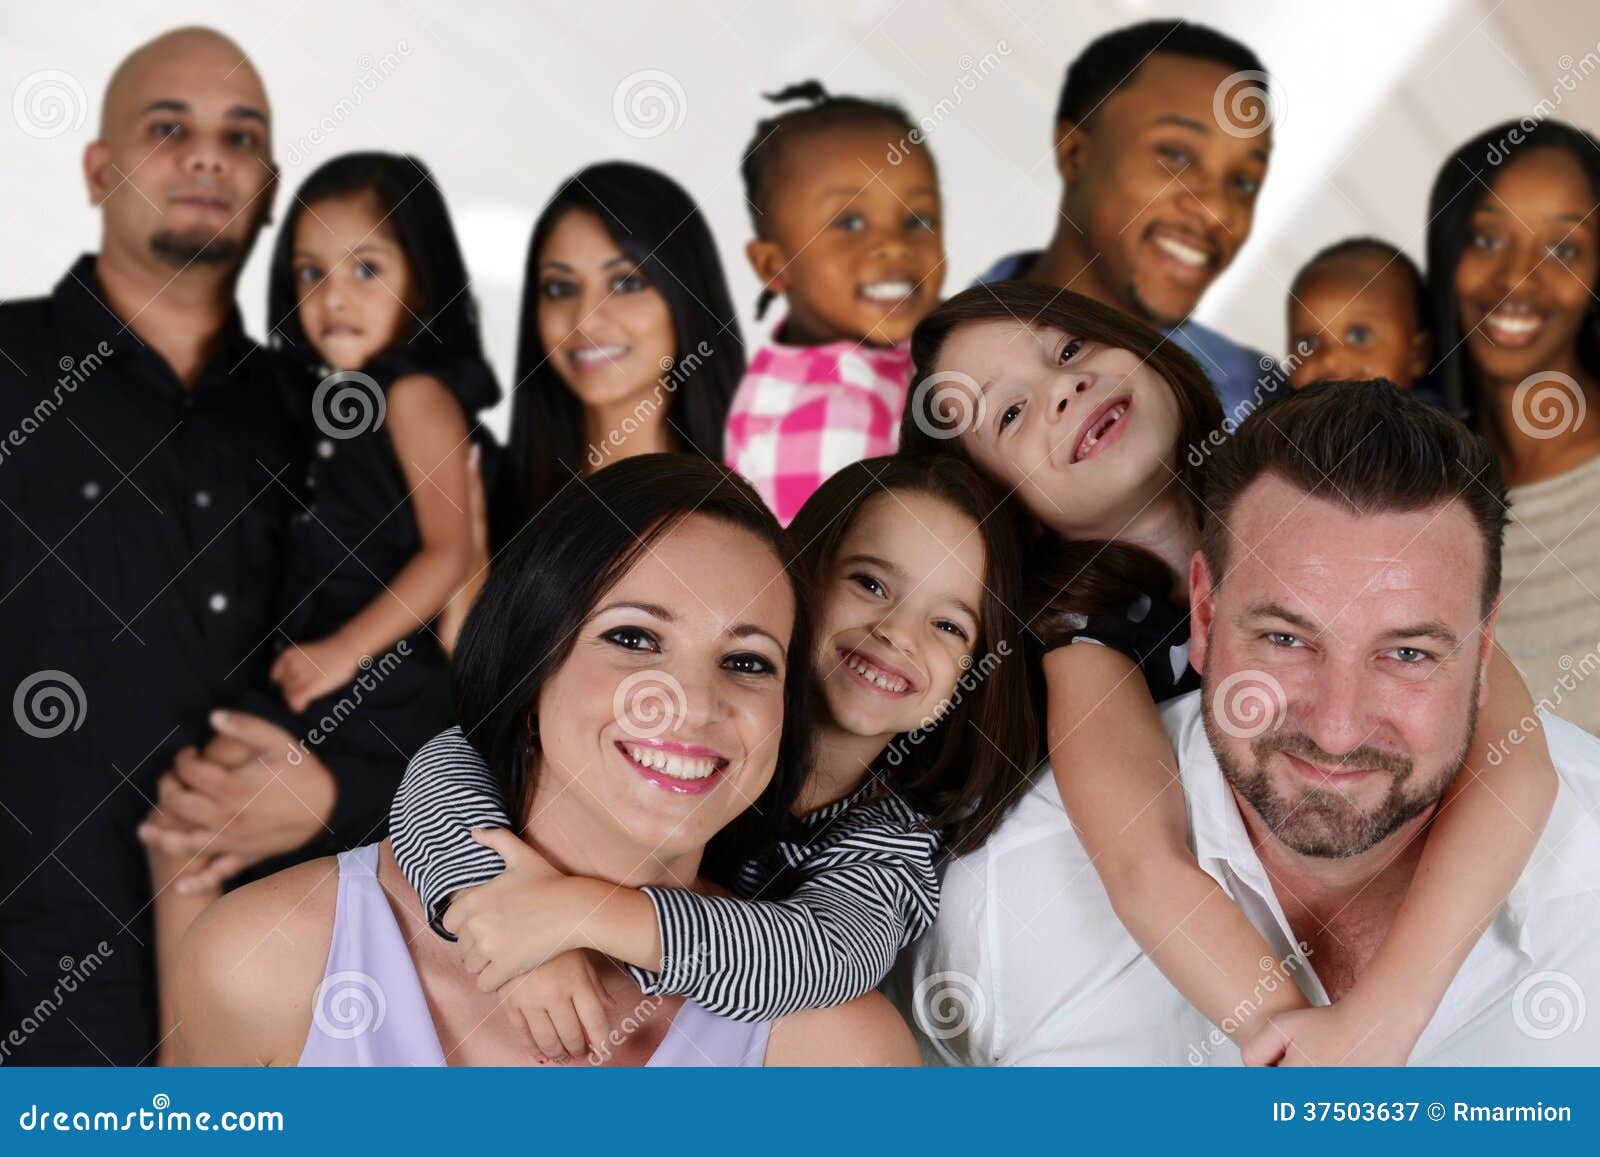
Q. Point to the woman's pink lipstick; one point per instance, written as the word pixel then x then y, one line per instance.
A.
pixel 681 768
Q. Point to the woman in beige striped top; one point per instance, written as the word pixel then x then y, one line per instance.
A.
pixel 1514 260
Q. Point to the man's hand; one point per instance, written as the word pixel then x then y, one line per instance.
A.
pixel 273 802
pixel 521 918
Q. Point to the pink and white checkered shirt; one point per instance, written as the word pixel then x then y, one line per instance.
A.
pixel 803 412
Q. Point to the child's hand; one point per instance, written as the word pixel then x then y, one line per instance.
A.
pixel 521 918
pixel 1335 1034
pixel 307 671
pixel 564 1006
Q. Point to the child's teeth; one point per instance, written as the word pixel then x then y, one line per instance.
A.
pixel 874 676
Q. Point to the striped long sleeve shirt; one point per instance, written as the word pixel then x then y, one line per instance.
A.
pixel 818 920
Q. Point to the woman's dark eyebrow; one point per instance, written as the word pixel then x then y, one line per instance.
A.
pixel 552 263
pixel 655 610
pixel 745 630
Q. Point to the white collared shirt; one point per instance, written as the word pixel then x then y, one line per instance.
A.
pixel 1028 964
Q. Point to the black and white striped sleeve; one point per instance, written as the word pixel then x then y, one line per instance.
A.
pixel 859 900
pixel 447 791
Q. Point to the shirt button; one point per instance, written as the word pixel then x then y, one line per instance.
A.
pixel 202 498
pixel 219 602
pixel 325 448
pixel 91 491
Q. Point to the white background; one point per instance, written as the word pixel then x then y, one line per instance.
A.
pixel 504 99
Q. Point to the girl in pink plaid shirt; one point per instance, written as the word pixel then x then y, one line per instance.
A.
pixel 845 200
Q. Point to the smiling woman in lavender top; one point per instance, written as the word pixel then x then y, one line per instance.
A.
pixel 662 576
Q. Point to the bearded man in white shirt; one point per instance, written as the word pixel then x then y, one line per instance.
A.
pixel 1342 620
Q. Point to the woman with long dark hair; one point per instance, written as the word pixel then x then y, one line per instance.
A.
pixel 923 732
pixel 662 572
pixel 628 341
pixel 1514 267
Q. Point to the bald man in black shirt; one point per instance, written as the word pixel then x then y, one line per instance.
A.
pixel 145 455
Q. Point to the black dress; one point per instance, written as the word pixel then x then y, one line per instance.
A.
pixel 353 531
pixel 1154 633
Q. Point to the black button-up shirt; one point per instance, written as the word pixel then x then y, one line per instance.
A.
pixel 139 565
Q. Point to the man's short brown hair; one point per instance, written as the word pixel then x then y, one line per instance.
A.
pixel 1369 447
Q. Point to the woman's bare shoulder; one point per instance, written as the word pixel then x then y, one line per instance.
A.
pixel 864 1031
pixel 248 968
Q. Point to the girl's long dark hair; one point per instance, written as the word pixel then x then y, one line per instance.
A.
pixel 446 333
pixel 967 768
pixel 1076 577
pixel 525 622
pixel 1458 191
pixel 658 226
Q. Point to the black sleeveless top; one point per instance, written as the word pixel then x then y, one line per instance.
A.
pixel 355 530
pixel 1154 633
pixel 352 532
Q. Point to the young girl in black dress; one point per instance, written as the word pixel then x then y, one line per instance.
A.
pixel 369 298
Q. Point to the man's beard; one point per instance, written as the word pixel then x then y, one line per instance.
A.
pixel 1321 822
pixel 195 248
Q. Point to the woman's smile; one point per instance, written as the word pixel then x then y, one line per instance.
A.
pixel 685 768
